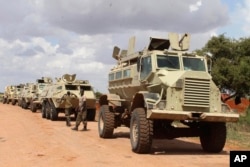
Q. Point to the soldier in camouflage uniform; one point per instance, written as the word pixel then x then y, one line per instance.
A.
pixel 67 97
pixel 82 112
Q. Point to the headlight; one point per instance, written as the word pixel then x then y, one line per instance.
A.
pixel 179 83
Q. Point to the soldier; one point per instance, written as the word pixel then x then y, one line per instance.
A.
pixel 82 112
pixel 67 97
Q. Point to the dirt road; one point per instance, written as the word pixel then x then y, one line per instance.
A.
pixel 26 139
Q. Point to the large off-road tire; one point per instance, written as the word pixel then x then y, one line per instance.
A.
pixel 141 132
pixel 91 114
pixel 13 102
pixel 106 122
pixel 53 113
pixel 25 105
pixel 43 110
pixel 4 100
pixel 33 107
pixel 213 137
pixel 47 111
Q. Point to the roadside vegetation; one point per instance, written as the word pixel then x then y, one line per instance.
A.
pixel 239 133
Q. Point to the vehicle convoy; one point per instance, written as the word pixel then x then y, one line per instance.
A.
pixel 52 97
pixel 164 92
pixel 36 100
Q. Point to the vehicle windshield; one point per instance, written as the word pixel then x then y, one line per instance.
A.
pixel 71 87
pixel 165 61
pixel 41 86
pixel 194 64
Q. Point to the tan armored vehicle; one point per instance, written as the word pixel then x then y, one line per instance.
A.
pixel 26 95
pixel 36 100
pixel 164 92
pixel 21 94
pixel 52 96
pixel 16 94
pixel 9 94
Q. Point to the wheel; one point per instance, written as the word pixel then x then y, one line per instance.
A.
pixel 91 114
pixel 47 110
pixel 4 100
pixel 53 113
pixel 106 122
pixel 25 105
pixel 141 132
pixel 44 110
pixel 13 102
pixel 33 107
pixel 213 137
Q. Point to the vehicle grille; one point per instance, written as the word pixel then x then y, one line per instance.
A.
pixel 196 92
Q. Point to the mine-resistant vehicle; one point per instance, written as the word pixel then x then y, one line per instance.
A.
pixel 16 94
pixel 26 95
pixel 52 96
pixel 164 92
pixel 11 94
pixel 36 100
pixel 7 92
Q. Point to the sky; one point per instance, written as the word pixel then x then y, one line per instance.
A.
pixel 49 38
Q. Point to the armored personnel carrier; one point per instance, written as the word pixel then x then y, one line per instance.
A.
pixel 26 95
pixel 164 92
pixel 36 100
pixel 8 93
pixel 16 94
pixel 11 94
pixel 52 96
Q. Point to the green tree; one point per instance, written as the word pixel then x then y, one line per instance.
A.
pixel 98 94
pixel 231 63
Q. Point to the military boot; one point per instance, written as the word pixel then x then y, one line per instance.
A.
pixel 75 128
pixel 68 123
pixel 84 128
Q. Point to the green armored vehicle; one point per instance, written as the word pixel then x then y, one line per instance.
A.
pixel 52 96
pixel 164 92
pixel 36 100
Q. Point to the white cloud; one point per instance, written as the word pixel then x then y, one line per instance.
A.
pixel 195 7
pixel 49 38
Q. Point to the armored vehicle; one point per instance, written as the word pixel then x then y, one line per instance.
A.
pixel 164 92
pixel 17 90
pixel 26 95
pixel 9 94
pixel 52 96
pixel 36 100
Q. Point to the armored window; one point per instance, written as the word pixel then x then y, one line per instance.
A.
pixel 170 62
pixel 111 76
pixel 85 87
pixel 146 67
pixel 126 73
pixel 194 64
pixel 71 87
pixel 118 75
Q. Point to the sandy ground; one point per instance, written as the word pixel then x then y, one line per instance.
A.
pixel 26 139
